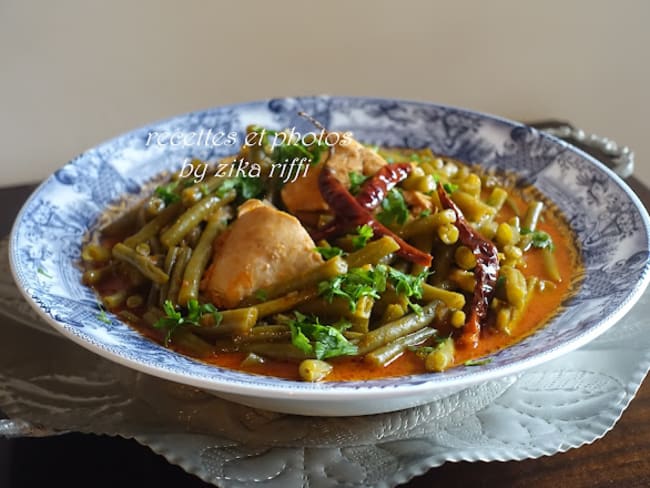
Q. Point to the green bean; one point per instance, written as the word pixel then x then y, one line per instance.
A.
pixel 276 350
pixel 373 252
pixel 193 194
pixel 473 209
pixel 141 263
pixel 550 264
pixel 134 301
pixel 196 266
pixel 428 224
pixel 424 242
pixel 266 333
pixel 170 261
pixel 471 184
pixel 153 297
pixel 393 312
pixel 96 253
pixel 123 224
pixel 533 213
pixel 314 370
pixel 192 344
pixel 285 303
pixel 452 299
pixel 176 277
pixel 237 322
pixel 192 217
pixel 129 317
pixel 114 300
pixel 503 320
pixel 510 202
pixel 323 272
pixel 465 280
pixel 151 315
pixel 153 227
pixel 405 325
pixel 518 313
pixel 384 355
pixel 153 206
pixel 497 198
pixel 515 285
pixel 442 263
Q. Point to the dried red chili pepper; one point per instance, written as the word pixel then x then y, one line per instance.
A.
pixel 486 272
pixel 349 214
pixel 374 190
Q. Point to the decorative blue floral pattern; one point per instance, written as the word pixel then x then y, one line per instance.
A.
pixel 609 222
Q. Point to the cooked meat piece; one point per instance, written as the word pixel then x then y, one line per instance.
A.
pixel 345 157
pixel 263 246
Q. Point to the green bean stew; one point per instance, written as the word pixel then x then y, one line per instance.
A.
pixel 365 263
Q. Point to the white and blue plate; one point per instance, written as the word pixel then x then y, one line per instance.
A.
pixel 609 222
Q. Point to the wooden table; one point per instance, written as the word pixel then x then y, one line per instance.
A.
pixel 620 459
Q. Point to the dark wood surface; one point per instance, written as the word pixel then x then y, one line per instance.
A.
pixel 620 459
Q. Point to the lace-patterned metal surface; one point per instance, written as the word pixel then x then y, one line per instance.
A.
pixel 551 408
pixel 609 221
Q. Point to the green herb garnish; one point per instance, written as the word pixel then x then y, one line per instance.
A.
pixel 356 283
pixel 324 341
pixel 174 319
pixel 394 208
pixel 356 180
pixel 42 272
pixel 408 285
pixel 261 295
pixel 539 239
pixel 450 187
pixel 425 213
pixel 477 362
pixel 329 252
pixel 167 193
pixel 246 187
pixel 102 316
pixel 364 234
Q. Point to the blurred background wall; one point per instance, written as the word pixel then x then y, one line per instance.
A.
pixel 74 73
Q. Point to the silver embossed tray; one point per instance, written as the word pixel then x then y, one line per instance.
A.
pixel 563 404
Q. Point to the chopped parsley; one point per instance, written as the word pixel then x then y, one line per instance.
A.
pixel 329 252
pixel 393 208
pixel 356 180
pixel 364 234
pixel 450 187
pixel 425 213
pixel 324 341
pixel 372 282
pixel 408 285
pixel 539 239
pixel 477 362
pixel 42 272
pixel 246 187
pixel 261 295
pixel 356 283
pixel 174 319
pixel 167 193
pixel 102 316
